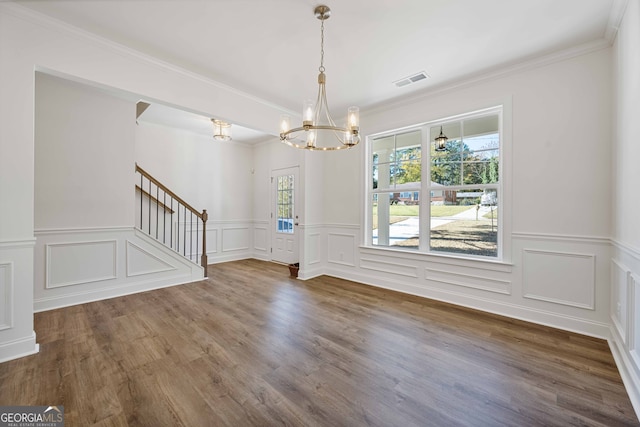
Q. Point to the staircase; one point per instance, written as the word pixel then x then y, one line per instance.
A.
pixel 170 220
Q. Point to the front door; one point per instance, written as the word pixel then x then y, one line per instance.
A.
pixel 284 243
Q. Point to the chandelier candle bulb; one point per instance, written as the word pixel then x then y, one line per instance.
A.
pixel 353 113
pixel 285 123
pixel 311 139
pixel 348 138
pixel 307 113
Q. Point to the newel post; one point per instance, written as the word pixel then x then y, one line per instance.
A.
pixel 203 259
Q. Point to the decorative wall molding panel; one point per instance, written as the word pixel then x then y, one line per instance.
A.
pixel 620 297
pixel 559 277
pixel 141 262
pixel 6 295
pixel 17 336
pixel 260 238
pixel 235 239
pixel 340 248
pixel 437 259
pixel 75 263
pixel 313 245
pixel 212 241
pixel 624 312
pixel 83 266
pixel 634 318
pixel 468 280
pixel 405 270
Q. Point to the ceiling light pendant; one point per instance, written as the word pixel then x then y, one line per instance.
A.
pixel 316 119
pixel 441 140
pixel 221 130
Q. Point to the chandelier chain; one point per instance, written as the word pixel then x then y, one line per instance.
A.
pixel 321 68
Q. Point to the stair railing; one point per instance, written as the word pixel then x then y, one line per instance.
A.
pixel 161 212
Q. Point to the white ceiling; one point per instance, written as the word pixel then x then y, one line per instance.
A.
pixel 271 50
pixel 176 118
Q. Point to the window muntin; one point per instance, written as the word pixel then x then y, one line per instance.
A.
pixel 396 219
pixel 284 204
pixel 397 160
pixel 467 225
pixel 460 215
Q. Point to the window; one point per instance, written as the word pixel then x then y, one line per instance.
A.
pixel 460 211
pixel 284 204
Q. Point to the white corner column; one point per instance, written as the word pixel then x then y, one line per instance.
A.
pixel 17 337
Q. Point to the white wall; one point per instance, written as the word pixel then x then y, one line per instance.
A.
pixel 208 174
pixel 557 210
pixel 625 263
pixel 84 163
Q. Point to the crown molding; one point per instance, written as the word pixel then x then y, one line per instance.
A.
pixel 57 25
pixel 615 19
pixel 492 73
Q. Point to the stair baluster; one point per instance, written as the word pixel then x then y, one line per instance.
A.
pixel 177 234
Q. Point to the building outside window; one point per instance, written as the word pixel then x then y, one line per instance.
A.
pixel 461 210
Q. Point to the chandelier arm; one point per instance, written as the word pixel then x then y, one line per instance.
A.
pixel 315 127
pixel 326 107
pixel 306 147
pixel 318 107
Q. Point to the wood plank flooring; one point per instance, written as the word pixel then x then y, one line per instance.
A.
pixel 250 346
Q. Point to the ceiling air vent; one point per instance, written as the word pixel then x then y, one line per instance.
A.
pixel 411 79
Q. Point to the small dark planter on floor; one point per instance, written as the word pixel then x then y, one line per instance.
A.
pixel 293 269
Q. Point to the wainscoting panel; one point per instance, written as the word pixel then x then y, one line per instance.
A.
pixel 312 245
pixel 74 266
pixel 620 297
pixel 235 239
pixel 634 318
pixel 624 315
pixel 475 281
pixel 559 277
pixel 74 263
pixel 17 336
pixel 260 238
pixel 141 262
pixel 395 268
pixel 6 295
pixel 212 241
pixel 341 248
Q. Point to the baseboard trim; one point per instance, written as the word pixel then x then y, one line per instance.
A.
pixel 19 348
pixel 626 368
pixel 67 300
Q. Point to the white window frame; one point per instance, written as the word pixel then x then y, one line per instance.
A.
pixel 503 110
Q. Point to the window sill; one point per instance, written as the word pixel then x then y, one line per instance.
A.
pixel 442 258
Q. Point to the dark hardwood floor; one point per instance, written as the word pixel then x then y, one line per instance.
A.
pixel 250 346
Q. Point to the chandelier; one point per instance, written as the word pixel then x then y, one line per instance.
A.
pixel 316 119
pixel 221 130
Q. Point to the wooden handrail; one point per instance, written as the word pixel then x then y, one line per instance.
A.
pixel 169 192
pixel 158 202
pixel 202 215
